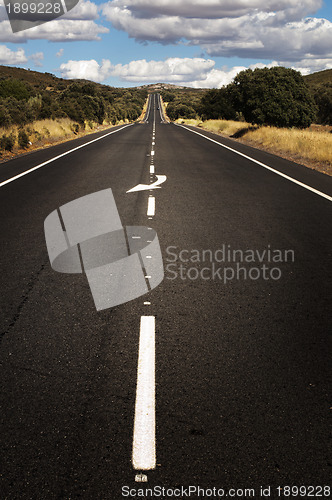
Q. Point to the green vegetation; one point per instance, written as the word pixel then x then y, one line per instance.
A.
pixel 80 101
pixel 217 104
pixel 182 104
pixel 278 97
pixel 26 99
pixel 323 99
pixel 320 84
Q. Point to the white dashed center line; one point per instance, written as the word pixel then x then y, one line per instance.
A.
pixel 144 439
pixel 151 206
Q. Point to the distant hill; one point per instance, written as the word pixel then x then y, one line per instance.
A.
pixel 160 87
pixel 35 78
pixel 319 78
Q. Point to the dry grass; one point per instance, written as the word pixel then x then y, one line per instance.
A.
pixel 43 133
pixel 145 107
pixel 227 127
pixel 164 107
pixel 43 130
pixel 51 129
pixel 312 146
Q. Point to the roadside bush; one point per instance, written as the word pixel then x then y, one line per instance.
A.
pixel 23 139
pixel 7 142
pixel 5 118
pixel 177 110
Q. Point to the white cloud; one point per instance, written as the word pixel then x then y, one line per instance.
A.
pixel 37 58
pixel 60 53
pixel 172 70
pixel 244 28
pixel 217 78
pixel 84 10
pixel 297 40
pixel 204 9
pixel 194 72
pixel 59 30
pixel 88 70
pixel 8 56
pixel 307 66
pixel 77 25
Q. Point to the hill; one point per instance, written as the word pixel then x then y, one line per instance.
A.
pixel 34 78
pixel 35 107
pixel 320 77
pixel 160 87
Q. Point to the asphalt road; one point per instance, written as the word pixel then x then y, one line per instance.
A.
pixel 242 352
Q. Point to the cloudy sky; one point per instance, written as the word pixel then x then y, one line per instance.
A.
pixel 199 43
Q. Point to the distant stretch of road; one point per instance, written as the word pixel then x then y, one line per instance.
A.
pixel 220 377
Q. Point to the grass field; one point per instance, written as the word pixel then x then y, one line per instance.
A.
pixel 312 146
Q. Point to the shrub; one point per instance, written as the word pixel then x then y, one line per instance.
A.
pixel 7 142
pixel 23 139
pixel 15 88
pixel 5 118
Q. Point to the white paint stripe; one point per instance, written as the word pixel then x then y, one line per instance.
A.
pixel 151 169
pixel 309 188
pixel 152 153
pixel 151 206
pixel 60 156
pixel 144 440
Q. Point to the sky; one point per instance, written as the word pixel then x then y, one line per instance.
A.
pixel 195 43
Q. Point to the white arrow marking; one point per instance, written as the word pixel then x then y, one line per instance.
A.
pixel 144 187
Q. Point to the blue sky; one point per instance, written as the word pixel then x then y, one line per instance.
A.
pixel 199 43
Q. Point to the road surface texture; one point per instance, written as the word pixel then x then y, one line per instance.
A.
pixel 242 340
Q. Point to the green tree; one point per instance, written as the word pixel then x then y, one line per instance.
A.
pixel 217 104
pixel 177 110
pixel 277 96
pixel 323 99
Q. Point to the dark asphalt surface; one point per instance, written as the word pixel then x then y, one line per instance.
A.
pixel 243 368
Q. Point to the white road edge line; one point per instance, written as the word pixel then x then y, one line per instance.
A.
pixel 144 439
pixel 309 188
pixel 60 156
pixel 151 206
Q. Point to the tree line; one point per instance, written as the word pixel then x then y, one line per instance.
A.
pixel 83 102
pixel 20 103
pixel 269 96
